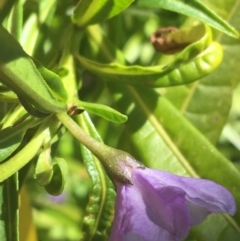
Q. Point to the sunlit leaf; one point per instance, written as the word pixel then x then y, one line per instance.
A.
pixel 186 67
pixel 193 8
pixel 5 7
pixel 159 76
pixel 104 111
pixel 207 102
pixel 19 73
pixel 93 11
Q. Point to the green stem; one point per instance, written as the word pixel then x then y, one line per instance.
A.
pixel 96 147
pixel 117 163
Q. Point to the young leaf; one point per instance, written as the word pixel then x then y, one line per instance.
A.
pixel 104 111
pixel 44 170
pixel 53 81
pixel 193 8
pixel 93 11
pixel 159 76
pixel 59 177
pixel 195 61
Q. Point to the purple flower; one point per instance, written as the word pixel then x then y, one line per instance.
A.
pixel 159 206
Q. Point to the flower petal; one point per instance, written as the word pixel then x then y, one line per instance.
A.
pixel 205 193
pixel 139 219
pixel 197 213
pixel 165 206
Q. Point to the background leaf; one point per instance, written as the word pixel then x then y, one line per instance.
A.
pixel 186 67
pixel 89 12
pixel 173 128
pixel 5 8
pixel 207 102
pixel 159 76
pixel 9 206
pixel 194 9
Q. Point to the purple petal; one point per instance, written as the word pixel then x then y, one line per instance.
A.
pixel 197 213
pixel 205 193
pixel 133 237
pixel 165 206
pixel 142 213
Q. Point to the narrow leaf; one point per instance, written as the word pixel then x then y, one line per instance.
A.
pixel 11 137
pixel 158 76
pixel 104 111
pixel 5 7
pixel 9 209
pixel 93 11
pixel 193 8
pixel 22 157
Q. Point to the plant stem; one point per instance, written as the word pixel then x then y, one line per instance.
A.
pixel 117 163
pixel 94 146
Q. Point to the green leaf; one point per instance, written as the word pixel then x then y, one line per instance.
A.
pixel 53 81
pixel 7 95
pixel 9 146
pixel 93 11
pixel 59 177
pixel 15 19
pixel 52 36
pixel 193 8
pixel 11 132
pixel 195 61
pixel 215 228
pixel 99 211
pixel 5 7
pixel 44 171
pixel 21 158
pixel 159 76
pixel 207 102
pixel 19 73
pixel 9 209
pixel 104 111
pixel 11 137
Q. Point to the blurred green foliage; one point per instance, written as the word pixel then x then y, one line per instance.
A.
pixel 187 126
